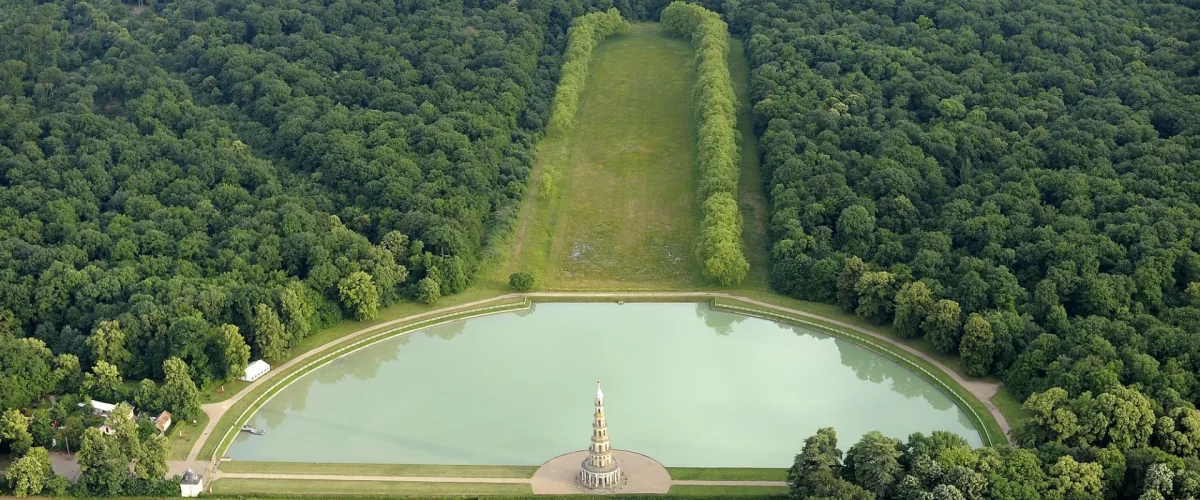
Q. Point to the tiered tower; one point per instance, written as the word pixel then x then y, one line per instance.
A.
pixel 600 470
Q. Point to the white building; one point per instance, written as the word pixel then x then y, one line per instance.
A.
pixel 99 408
pixel 162 422
pixel 255 370
pixel 191 485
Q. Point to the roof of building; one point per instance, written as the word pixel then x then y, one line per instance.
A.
pixel 162 419
pixel 190 477
pixel 102 406
pixel 257 366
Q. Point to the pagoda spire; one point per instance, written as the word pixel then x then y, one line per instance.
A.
pixel 600 470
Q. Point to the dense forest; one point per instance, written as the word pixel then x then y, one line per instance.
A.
pixel 172 170
pixel 186 185
pixel 1014 182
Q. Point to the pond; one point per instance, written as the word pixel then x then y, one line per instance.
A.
pixel 684 384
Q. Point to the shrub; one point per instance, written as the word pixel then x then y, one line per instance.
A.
pixel 521 282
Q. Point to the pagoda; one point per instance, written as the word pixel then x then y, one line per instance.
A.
pixel 600 471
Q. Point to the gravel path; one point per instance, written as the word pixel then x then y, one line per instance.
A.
pixel 335 477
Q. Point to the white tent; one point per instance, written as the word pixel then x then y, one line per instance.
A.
pixel 99 407
pixel 255 370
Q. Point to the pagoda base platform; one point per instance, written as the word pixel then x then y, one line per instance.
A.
pixel 640 474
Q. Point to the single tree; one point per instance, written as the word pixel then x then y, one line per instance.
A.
pixel 104 381
pixel 847 285
pixel 14 430
pixel 179 393
pixel 359 295
pixel 29 474
pixel 103 470
pixel 107 343
pixel 235 354
pixel 152 462
pixel 521 282
pixel 874 463
pixel 914 302
pixel 428 291
pixel 977 346
pixel 943 326
pixel 148 396
pixel 269 333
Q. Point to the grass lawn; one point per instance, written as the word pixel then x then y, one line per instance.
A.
pixel 623 214
pixel 752 196
pixel 727 491
pixel 727 474
pixel 320 487
pixel 1009 406
pixel 523 472
pixel 183 436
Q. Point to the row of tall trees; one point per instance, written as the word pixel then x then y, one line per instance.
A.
pixel 585 33
pixel 719 247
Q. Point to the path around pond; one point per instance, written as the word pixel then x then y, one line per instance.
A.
pixel 982 390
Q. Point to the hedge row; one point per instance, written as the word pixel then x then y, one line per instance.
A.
pixel 720 245
pixel 585 33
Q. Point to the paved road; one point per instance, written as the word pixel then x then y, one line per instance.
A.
pixel 982 390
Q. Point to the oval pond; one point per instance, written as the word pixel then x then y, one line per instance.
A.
pixel 684 384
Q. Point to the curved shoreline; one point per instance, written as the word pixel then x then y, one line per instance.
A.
pixel 305 362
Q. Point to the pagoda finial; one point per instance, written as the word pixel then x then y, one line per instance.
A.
pixel 599 392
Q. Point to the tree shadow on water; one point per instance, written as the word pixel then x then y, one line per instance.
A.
pixel 719 321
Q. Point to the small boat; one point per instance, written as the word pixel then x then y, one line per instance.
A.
pixel 256 432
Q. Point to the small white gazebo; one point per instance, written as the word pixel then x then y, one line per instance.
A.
pixel 191 485
pixel 255 370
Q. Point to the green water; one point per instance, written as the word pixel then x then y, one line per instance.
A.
pixel 683 384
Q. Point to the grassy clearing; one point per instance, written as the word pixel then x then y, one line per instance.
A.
pixel 491 471
pixel 183 436
pixel 623 213
pixel 989 429
pixel 727 474
pixel 1009 406
pixel 320 487
pixel 728 491
pixel 258 395
pixel 752 198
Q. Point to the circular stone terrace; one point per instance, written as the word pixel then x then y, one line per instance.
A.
pixel 559 476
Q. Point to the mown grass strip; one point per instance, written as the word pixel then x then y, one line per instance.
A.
pixel 413 470
pixel 692 491
pixel 340 488
pixel 727 474
pixel 241 411
pixel 989 429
